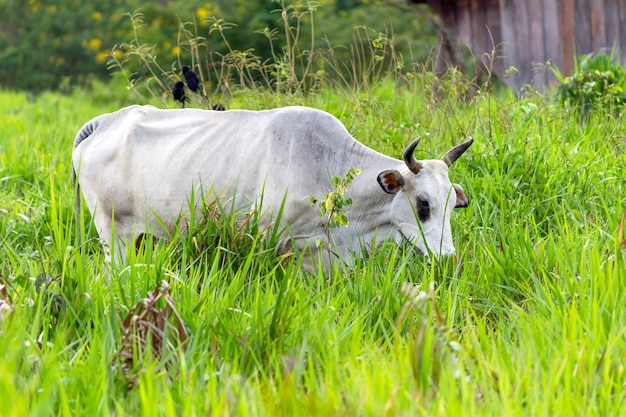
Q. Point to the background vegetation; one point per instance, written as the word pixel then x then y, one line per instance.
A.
pixel 527 320
pixel 59 43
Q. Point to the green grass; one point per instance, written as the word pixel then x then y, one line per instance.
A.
pixel 529 320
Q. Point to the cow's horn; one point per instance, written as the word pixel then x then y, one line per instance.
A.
pixel 454 153
pixel 410 160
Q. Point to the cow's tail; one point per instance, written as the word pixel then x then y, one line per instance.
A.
pixel 86 131
pixel 83 134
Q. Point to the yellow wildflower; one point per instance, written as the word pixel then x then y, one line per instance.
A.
pixel 95 44
pixel 102 56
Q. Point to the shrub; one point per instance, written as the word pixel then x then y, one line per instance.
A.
pixel 597 81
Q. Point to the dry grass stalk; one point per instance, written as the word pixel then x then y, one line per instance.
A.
pixel 161 328
pixel 6 304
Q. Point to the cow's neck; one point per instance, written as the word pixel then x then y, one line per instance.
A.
pixel 370 212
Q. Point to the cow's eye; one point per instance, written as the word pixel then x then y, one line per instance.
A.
pixel 423 209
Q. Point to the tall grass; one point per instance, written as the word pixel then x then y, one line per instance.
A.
pixel 527 320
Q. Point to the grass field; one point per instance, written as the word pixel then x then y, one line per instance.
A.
pixel 530 319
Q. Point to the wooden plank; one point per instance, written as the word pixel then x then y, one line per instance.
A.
pixel 552 40
pixel 622 34
pixel 477 28
pixel 446 10
pixel 536 46
pixel 583 27
pixel 464 22
pixel 597 23
pixel 567 22
pixel 522 38
pixel 510 57
pixel 611 24
pixel 494 26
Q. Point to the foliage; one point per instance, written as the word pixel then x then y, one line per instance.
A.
pixel 297 56
pixel 332 206
pixel 333 202
pixel 59 44
pixel 597 81
pixel 47 44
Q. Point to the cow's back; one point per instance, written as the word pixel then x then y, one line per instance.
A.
pixel 142 161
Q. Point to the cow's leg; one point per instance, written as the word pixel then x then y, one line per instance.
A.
pixel 116 235
pixel 119 252
pixel 143 239
pixel 103 226
pixel 138 241
pixel 131 240
pixel 129 236
pixel 314 259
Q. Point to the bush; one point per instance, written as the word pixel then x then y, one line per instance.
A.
pixel 45 44
pixel 597 81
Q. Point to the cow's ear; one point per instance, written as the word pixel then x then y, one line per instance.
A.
pixel 391 181
pixel 461 197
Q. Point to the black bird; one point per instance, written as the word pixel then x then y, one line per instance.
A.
pixel 193 82
pixel 179 93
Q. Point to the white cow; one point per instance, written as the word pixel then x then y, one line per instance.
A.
pixel 138 168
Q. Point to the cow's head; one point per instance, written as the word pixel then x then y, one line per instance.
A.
pixel 424 192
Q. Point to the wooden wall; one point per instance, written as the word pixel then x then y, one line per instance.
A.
pixel 527 34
